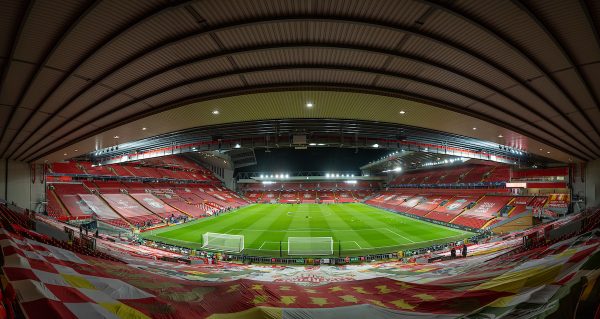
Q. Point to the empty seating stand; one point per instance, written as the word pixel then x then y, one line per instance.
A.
pixel 470 221
pixel 96 170
pixel 93 196
pixel 499 174
pixel 67 195
pixel 486 209
pixel 429 203
pixel 69 168
pixel 470 174
pixel 121 170
pixel 476 174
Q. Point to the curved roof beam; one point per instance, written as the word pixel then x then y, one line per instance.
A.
pixel 389 53
pixel 458 109
pixel 387 26
pixel 64 34
pixel 92 53
pixel 15 42
pixel 11 55
pixel 565 53
pixel 370 23
pixel 521 52
pixel 271 88
pixel 590 20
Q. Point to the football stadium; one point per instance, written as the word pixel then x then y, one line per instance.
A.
pixel 296 159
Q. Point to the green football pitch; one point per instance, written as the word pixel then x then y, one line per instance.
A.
pixel 355 229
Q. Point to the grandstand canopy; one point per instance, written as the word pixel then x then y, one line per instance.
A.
pixel 75 75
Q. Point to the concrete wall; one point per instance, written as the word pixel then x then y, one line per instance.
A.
pixel 16 184
pixel 592 184
pixel 228 178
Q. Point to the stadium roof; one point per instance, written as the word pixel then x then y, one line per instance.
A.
pixel 75 74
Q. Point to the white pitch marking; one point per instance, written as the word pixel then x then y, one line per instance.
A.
pixel 395 233
pixel 305 230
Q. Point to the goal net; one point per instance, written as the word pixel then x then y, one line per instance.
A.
pixel 310 246
pixel 224 242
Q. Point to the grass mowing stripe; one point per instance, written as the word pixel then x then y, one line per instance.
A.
pixel 263 219
pixel 419 229
pixel 338 212
pixel 279 219
pixel 265 225
pixel 381 236
pixel 395 233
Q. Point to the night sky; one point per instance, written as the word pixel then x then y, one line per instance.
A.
pixel 313 159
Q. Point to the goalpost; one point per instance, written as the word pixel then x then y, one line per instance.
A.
pixel 310 246
pixel 224 242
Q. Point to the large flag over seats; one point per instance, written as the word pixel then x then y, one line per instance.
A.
pixel 55 283
pixel 51 282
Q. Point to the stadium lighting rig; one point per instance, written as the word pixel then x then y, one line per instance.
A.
pixel 274 176
pixel 446 161
pixel 395 170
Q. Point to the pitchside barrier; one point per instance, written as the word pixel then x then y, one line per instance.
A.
pixel 310 246
pixel 280 249
pixel 338 248
pixel 305 247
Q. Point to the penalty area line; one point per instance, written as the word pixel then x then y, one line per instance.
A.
pixel 267 242
pixel 395 233
pixel 352 241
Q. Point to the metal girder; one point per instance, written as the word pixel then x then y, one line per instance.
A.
pixel 510 44
pixel 367 22
pixel 40 67
pixel 290 86
pixel 228 144
pixel 551 35
pixel 302 86
pixel 11 54
pixel 338 68
pixel 590 20
pixel 91 54
pixel 390 53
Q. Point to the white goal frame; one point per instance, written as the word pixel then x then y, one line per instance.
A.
pixel 307 252
pixel 206 242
